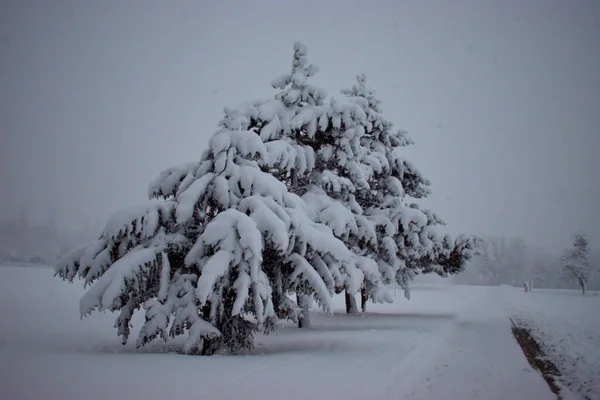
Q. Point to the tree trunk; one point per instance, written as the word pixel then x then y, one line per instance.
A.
pixel 304 317
pixel 363 298
pixel 348 305
pixel 351 306
pixel 583 288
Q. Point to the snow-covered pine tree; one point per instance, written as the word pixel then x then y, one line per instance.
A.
pixel 295 126
pixel 225 236
pixel 576 263
pixel 407 240
pixel 341 178
pixel 332 130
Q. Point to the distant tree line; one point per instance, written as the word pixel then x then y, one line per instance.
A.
pixel 25 241
pixel 510 261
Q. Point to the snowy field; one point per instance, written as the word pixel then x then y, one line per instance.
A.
pixel 567 325
pixel 448 342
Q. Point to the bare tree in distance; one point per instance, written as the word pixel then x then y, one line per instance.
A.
pixel 576 263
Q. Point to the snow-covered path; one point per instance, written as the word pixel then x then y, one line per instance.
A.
pixel 481 359
pixel 446 343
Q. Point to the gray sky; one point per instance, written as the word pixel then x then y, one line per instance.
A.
pixel 501 97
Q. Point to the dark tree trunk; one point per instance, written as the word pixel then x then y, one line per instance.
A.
pixel 351 307
pixel 363 298
pixel 348 302
pixel 300 319
pixel 582 284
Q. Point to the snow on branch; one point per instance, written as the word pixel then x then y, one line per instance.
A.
pixel 167 183
pixel 68 265
pixel 138 223
pixel 303 268
pixel 127 277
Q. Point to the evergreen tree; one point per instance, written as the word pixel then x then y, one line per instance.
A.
pixel 407 242
pixel 333 130
pixel 305 135
pixel 297 194
pixel 340 176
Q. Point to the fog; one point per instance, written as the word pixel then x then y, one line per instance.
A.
pixel 501 98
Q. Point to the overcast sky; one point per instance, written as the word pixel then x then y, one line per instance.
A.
pixel 501 97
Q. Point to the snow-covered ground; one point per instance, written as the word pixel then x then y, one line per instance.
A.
pixel 567 326
pixel 448 342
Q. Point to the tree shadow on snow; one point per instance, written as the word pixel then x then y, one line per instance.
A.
pixel 381 321
pixel 369 321
pixel 429 287
pixel 329 334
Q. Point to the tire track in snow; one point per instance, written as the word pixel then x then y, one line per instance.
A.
pixel 416 366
